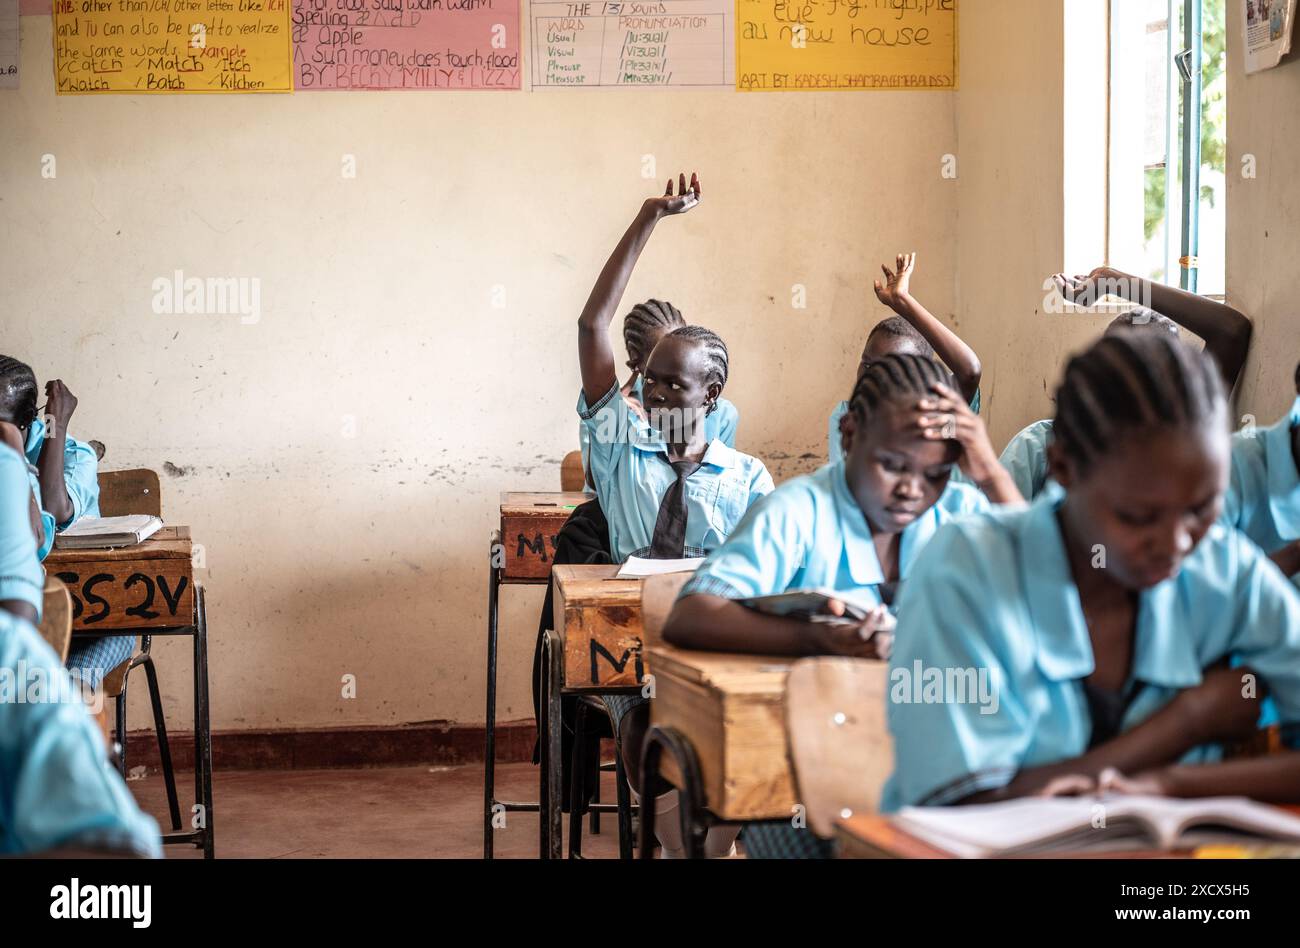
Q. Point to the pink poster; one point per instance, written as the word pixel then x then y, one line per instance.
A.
pixel 34 7
pixel 405 44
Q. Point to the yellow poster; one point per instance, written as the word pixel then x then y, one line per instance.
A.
pixel 808 45
pixel 148 46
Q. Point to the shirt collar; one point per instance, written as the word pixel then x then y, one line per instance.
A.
pixel 1283 479
pixel 716 455
pixel 1164 653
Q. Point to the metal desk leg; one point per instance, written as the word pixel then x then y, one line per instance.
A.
pixel 551 821
pixel 490 725
pixel 203 725
pixel 691 803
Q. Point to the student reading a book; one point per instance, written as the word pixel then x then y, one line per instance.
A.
pixel 913 331
pixel 667 491
pixel 58 793
pixel 68 476
pixel 856 528
pixel 1226 333
pixel 1090 611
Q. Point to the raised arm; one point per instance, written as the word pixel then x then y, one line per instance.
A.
pixel 961 360
pixel 595 351
pixel 54 487
pixel 1226 331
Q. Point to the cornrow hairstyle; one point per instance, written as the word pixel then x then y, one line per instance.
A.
pixel 1142 318
pixel 17 392
pixel 901 328
pixel 715 353
pixel 1133 381
pixel 647 320
pixel 896 377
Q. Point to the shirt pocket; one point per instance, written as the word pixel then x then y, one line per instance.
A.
pixel 730 500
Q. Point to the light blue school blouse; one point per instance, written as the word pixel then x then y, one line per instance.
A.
pixel 720 425
pixel 835 452
pixel 80 472
pixel 811 533
pixel 1025 458
pixel 57 788
pixel 992 609
pixel 631 475
pixel 1263 499
pixel 21 576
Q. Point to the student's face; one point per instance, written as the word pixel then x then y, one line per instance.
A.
pixel 1148 503
pixel 894 473
pixel 636 359
pixel 881 344
pixel 675 391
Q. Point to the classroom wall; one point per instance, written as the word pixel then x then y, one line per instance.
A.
pixel 329 554
pixel 1264 222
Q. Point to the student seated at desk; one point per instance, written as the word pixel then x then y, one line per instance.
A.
pixel 1263 499
pixel 68 478
pixel 665 490
pixel 914 331
pixel 644 325
pixel 856 527
pixel 58 793
pixel 1225 330
pixel 1091 617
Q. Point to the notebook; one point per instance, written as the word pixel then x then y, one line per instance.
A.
pixel 96 533
pixel 636 567
pixel 1036 825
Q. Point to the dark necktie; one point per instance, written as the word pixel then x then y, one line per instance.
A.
pixel 669 540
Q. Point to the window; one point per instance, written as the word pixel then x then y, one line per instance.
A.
pixel 1159 215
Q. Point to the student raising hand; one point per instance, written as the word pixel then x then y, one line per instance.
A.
pixel 946 416
pixel 595 351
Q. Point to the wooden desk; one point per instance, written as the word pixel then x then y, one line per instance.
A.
pixel 732 710
pixel 529 524
pixel 598 619
pixel 137 588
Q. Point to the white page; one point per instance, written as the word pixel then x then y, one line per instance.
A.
pixel 636 567
pixel 112 526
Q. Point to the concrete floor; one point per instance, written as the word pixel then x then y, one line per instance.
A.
pixel 410 812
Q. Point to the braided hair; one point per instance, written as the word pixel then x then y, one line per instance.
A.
pixel 895 377
pixel 645 323
pixel 1142 318
pixel 17 392
pixel 715 353
pixel 1133 381
pixel 900 328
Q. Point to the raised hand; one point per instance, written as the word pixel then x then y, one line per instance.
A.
pixel 896 284
pixel 59 406
pixel 679 203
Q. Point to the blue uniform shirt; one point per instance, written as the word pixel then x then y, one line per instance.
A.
pixel 1025 457
pixel 810 533
pixel 57 787
pixel 629 469
pixel 80 472
pixel 21 576
pixel 720 425
pixel 1263 499
pixel 992 646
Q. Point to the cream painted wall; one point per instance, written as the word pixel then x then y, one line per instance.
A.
pixel 329 555
pixel 1264 223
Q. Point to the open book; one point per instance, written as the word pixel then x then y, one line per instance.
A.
pixel 97 533
pixel 1037 825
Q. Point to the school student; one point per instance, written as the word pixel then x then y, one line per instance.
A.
pixel 58 793
pixel 1226 333
pixel 1263 499
pixel 914 331
pixel 856 527
pixel 665 489
pixel 643 326
pixel 68 478
pixel 1086 614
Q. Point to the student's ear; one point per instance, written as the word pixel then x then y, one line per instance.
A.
pixel 1059 467
pixel 711 396
pixel 848 429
